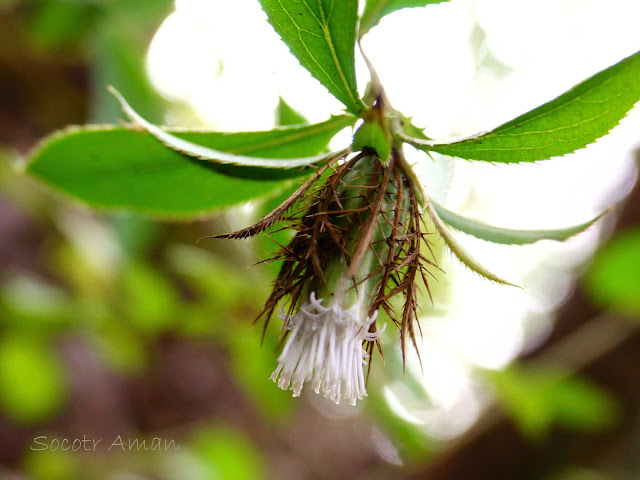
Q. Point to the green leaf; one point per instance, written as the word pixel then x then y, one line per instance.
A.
pixel 285 115
pixel 32 380
pixel 374 10
pixel 505 235
pixel 120 348
pixel 149 300
pixel 203 152
pixel 459 252
pixel 48 464
pixel 536 398
pixel 613 280
pixel 322 36
pixel 28 303
pixel 56 25
pixel 119 59
pixel 224 453
pixel 573 120
pixel 117 168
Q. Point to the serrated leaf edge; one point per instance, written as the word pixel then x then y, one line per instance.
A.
pixel 156 214
pixel 432 146
pixel 357 105
pixel 208 154
pixel 381 6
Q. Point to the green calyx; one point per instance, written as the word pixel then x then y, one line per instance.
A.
pixel 374 133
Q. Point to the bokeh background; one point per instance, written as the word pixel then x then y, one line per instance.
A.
pixel 114 326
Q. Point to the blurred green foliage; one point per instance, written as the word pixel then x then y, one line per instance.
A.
pixel 119 283
pixel 223 453
pixel 613 281
pixel 537 399
pixel 52 465
pixel 113 35
pixel 32 379
pixel 122 293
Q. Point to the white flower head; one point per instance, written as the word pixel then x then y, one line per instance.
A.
pixel 359 244
pixel 325 347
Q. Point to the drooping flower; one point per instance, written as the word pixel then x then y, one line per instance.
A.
pixel 358 241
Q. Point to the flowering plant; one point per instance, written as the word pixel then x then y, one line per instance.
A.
pixel 362 219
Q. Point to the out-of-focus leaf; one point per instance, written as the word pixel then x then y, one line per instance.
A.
pixel 226 454
pixel 322 36
pixel 62 24
pixel 149 300
pixel 85 279
pixel 118 168
pixel 50 465
pixel 286 115
pixel 29 303
pixel 571 121
pixel 228 300
pixel 408 438
pixel 582 405
pixel 122 350
pixel 144 13
pixel 6 4
pixel 216 281
pixel 374 10
pixel 252 365
pixel 507 236
pixel 613 280
pixel 119 59
pixel 136 234
pixel 536 399
pixel 32 379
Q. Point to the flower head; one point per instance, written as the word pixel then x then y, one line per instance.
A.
pixel 357 246
pixel 324 347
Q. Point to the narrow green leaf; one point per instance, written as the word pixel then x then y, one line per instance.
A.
pixel 285 115
pixel 459 252
pixel 374 10
pixel 573 120
pixel 203 152
pixel 505 235
pixel 322 36
pixel 118 168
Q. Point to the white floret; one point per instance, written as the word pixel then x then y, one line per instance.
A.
pixel 325 347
